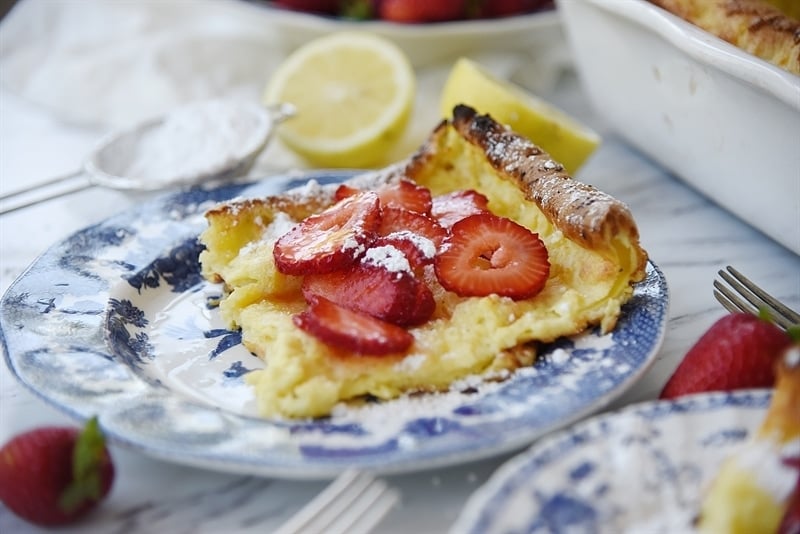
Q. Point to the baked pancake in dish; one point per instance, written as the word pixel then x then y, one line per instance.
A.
pixel 756 26
pixel 790 8
pixel 479 183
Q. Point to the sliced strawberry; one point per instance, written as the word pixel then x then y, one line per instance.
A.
pixel 452 207
pixel 401 194
pixel 351 330
pixel 408 195
pixel 394 219
pixel 738 351
pixel 424 305
pixel 331 240
pixel 487 254
pixel 381 285
pixel 344 191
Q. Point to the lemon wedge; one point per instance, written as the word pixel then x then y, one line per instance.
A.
pixel 353 94
pixel 567 140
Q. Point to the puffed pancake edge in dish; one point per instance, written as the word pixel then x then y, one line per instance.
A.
pixel 470 166
pixel 758 27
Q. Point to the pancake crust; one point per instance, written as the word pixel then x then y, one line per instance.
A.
pixel 592 242
pixel 583 213
pixel 756 26
pixel 752 489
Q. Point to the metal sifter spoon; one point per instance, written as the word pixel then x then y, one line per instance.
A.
pixel 213 139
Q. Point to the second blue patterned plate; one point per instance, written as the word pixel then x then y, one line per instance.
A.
pixel 642 470
pixel 114 321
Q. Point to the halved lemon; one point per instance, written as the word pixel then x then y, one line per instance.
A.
pixel 353 93
pixel 566 139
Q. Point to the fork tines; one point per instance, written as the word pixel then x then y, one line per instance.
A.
pixel 753 299
pixel 354 503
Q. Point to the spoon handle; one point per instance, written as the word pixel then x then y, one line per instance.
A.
pixel 20 198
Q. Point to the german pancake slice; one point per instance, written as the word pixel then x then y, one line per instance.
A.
pixel 589 239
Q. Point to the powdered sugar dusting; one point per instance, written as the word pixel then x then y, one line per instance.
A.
pixel 510 149
pixel 559 357
pixel 391 418
pixel 792 356
pixel 378 420
pixel 385 419
pixel 353 245
pixel 763 459
pixel 410 363
pixel 387 257
pixel 592 348
pixel 423 244
pixel 551 165
pixel 311 189
pixel 281 224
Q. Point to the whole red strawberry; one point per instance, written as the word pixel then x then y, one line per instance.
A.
pixel 737 352
pixel 311 6
pixel 55 475
pixel 506 8
pixel 422 10
pixel 358 9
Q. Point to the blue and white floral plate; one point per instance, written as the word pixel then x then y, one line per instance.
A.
pixel 115 321
pixel 641 470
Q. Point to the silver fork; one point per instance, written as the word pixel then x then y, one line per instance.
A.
pixel 354 503
pixel 754 299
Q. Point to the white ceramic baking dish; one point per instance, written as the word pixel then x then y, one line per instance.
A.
pixel 723 120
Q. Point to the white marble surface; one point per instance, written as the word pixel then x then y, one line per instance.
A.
pixel 685 234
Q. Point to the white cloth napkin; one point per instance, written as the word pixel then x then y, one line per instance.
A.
pixel 109 64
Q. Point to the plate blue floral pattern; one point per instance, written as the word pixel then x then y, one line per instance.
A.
pixel 117 321
pixel 640 470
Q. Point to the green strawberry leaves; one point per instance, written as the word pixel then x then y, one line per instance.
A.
pixel 87 459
